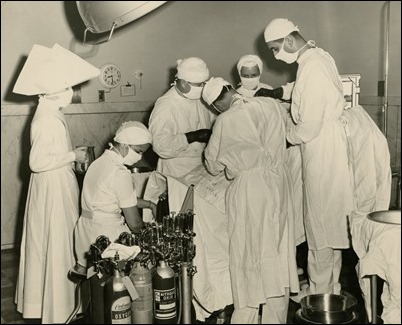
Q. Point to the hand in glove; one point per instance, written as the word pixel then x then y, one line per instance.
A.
pixel 274 93
pixel 201 135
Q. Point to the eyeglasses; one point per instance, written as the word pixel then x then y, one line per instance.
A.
pixel 216 107
pixel 196 84
pixel 135 150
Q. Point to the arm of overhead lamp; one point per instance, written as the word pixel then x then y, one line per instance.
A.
pixel 100 42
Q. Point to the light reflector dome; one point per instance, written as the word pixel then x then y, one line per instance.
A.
pixel 103 16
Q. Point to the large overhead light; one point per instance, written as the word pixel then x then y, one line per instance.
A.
pixel 106 16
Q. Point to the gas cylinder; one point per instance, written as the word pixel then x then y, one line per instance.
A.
pixel 117 298
pixel 142 307
pixel 97 311
pixel 164 289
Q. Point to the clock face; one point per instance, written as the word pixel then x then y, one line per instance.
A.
pixel 110 75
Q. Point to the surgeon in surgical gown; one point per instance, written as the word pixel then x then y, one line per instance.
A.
pixel 180 122
pixel 317 107
pixel 249 68
pixel 43 288
pixel 248 143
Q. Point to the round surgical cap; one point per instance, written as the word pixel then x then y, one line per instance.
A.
pixel 249 61
pixel 192 69
pixel 279 28
pixel 212 89
pixel 133 133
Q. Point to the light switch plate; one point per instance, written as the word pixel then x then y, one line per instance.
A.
pixel 127 90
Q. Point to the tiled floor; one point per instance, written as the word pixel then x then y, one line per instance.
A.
pixel 9 270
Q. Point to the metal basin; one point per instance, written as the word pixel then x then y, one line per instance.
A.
pixel 387 216
pixel 328 308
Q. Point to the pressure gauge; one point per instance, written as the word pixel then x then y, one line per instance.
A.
pixel 110 75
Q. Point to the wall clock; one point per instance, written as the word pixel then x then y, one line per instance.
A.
pixel 110 75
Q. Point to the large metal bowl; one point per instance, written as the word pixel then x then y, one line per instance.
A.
pixel 387 216
pixel 328 308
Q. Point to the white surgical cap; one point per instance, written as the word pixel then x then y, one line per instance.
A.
pixel 133 133
pixel 279 28
pixel 192 69
pixel 212 89
pixel 249 61
pixel 49 70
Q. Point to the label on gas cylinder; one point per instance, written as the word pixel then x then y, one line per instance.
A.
pixel 121 311
pixel 165 303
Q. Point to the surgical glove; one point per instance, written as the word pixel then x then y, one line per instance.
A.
pixel 201 135
pixel 274 93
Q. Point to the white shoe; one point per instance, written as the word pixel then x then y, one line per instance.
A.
pixel 300 271
pixel 304 291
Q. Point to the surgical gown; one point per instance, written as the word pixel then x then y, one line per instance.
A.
pixel 317 106
pixel 172 117
pixel 248 142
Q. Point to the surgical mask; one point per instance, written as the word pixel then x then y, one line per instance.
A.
pixel 194 93
pixel 250 83
pixel 290 57
pixel 131 158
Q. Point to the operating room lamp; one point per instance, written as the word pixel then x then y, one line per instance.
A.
pixel 106 16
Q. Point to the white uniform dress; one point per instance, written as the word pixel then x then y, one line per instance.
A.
pixel 248 142
pixel 172 117
pixel 43 289
pixel 250 93
pixel 108 187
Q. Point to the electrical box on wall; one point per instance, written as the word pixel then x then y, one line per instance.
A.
pixel 351 88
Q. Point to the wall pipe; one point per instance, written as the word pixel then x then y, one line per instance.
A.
pixel 385 105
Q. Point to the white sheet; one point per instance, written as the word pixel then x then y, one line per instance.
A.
pixel 378 247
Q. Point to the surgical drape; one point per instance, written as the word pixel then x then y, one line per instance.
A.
pixel 211 283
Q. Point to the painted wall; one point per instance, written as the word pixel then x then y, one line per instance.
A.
pixel 217 31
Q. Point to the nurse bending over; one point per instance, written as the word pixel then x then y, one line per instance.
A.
pixel 109 200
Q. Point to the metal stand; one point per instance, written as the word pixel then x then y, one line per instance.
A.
pixel 187 291
pixel 78 304
pixel 373 281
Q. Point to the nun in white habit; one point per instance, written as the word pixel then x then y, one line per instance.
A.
pixel 43 288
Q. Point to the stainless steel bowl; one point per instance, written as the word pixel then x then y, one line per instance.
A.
pixel 387 216
pixel 328 308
